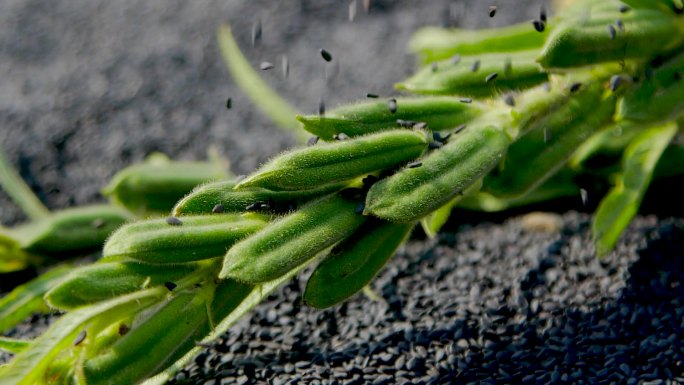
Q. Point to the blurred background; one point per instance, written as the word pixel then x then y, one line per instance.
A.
pixel 88 87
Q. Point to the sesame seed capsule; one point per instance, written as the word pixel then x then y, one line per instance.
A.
pixel 326 55
pixel 173 221
pixel 620 24
pixel 455 59
pixel 256 32
pixel 460 128
pixel 359 208
pixel 624 8
pixel 574 87
pixel 615 81
pixel 509 100
pixel 229 103
pixel 265 66
pixel 476 66
pixel 542 14
pixel 312 141
pixel 492 10
pixel 392 105
pixel 465 100
pixel 80 337
pixel 372 96
pixel 321 107
pixel 435 145
pixel 414 164
pixel 491 77
pixel 611 32
pixel 217 209
pixel 170 285
pixel 539 25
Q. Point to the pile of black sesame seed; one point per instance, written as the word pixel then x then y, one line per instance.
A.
pixel 490 304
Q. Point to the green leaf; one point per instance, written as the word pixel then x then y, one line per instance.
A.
pixel 617 209
pixel 13 345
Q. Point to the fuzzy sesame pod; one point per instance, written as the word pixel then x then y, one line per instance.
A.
pixel 157 339
pixel 69 232
pixel 292 240
pixel 326 163
pixel 658 97
pixel 101 281
pixel 413 193
pixel 580 42
pixel 550 142
pixel 228 295
pixel 353 263
pixel 220 196
pixel 193 238
pixel 494 74
pixel 439 113
pixel 155 185
pixel 435 44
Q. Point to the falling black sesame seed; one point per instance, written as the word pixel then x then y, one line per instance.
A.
pixel 218 208
pixel 359 208
pixel 256 32
pixel 229 103
pixel 476 66
pixel 326 55
pixel 435 145
pixel 620 24
pixel 405 123
pixel 624 8
pixel 615 81
pixel 542 14
pixel 80 337
pixel 286 66
pixel 539 25
pixel 439 138
pixel 372 96
pixel 265 66
pixel 414 164
pixel 170 285
pixel 611 32
pixel 321 107
pixel 434 67
pixel 509 100
pixel 98 223
pixel 420 125
pixel 574 87
pixel 492 10
pixel 341 136
pixel 460 128
pixel 491 77
pixel 465 100
pixel 392 105
pixel 173 221
pixel 455 59
pixel 312 141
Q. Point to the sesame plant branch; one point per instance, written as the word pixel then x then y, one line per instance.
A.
pixel 20 193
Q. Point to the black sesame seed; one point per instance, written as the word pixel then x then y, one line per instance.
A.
pixel 476 66
pixel 465 100
pixel 460 128
pixel 574 87
pixel 256 32
pixel 420 125
pixel 392 105
pixel 218 208
pixel 414 164
pixel 611 32
pixel 359 208
pixel 321 107
pixel 435 145
pixel 509 100
pixel 372 96
pixel 439 138
pixel 405 123
pixel 253 206
pixel 620 24
pixel 312 141
pixel 326 55
pixel 265 65
pixel 491 77
pixel 615 81
pixel 123 329
pixel 170 285
pixel 455 59
pixel 539 25
pixel 173 221
pixel 80 337
pixel 492 10
pixel 624 8
pixel 542 14
pixel 229 103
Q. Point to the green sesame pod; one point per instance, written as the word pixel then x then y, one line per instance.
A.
pixel 580 42
pixel 326 163
pixel 191 239
pixel 229 294
pixel 494 74
pixel 413 193
pixel 70 232
pixel 220 196
pixel 438 112
pixel 617 209
pixel 658 98
pixel 434 44
pixel 292 240
pixel 101 281
pixel 353 263
pixel 550 142
pixel 155 341
pixel 155 185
